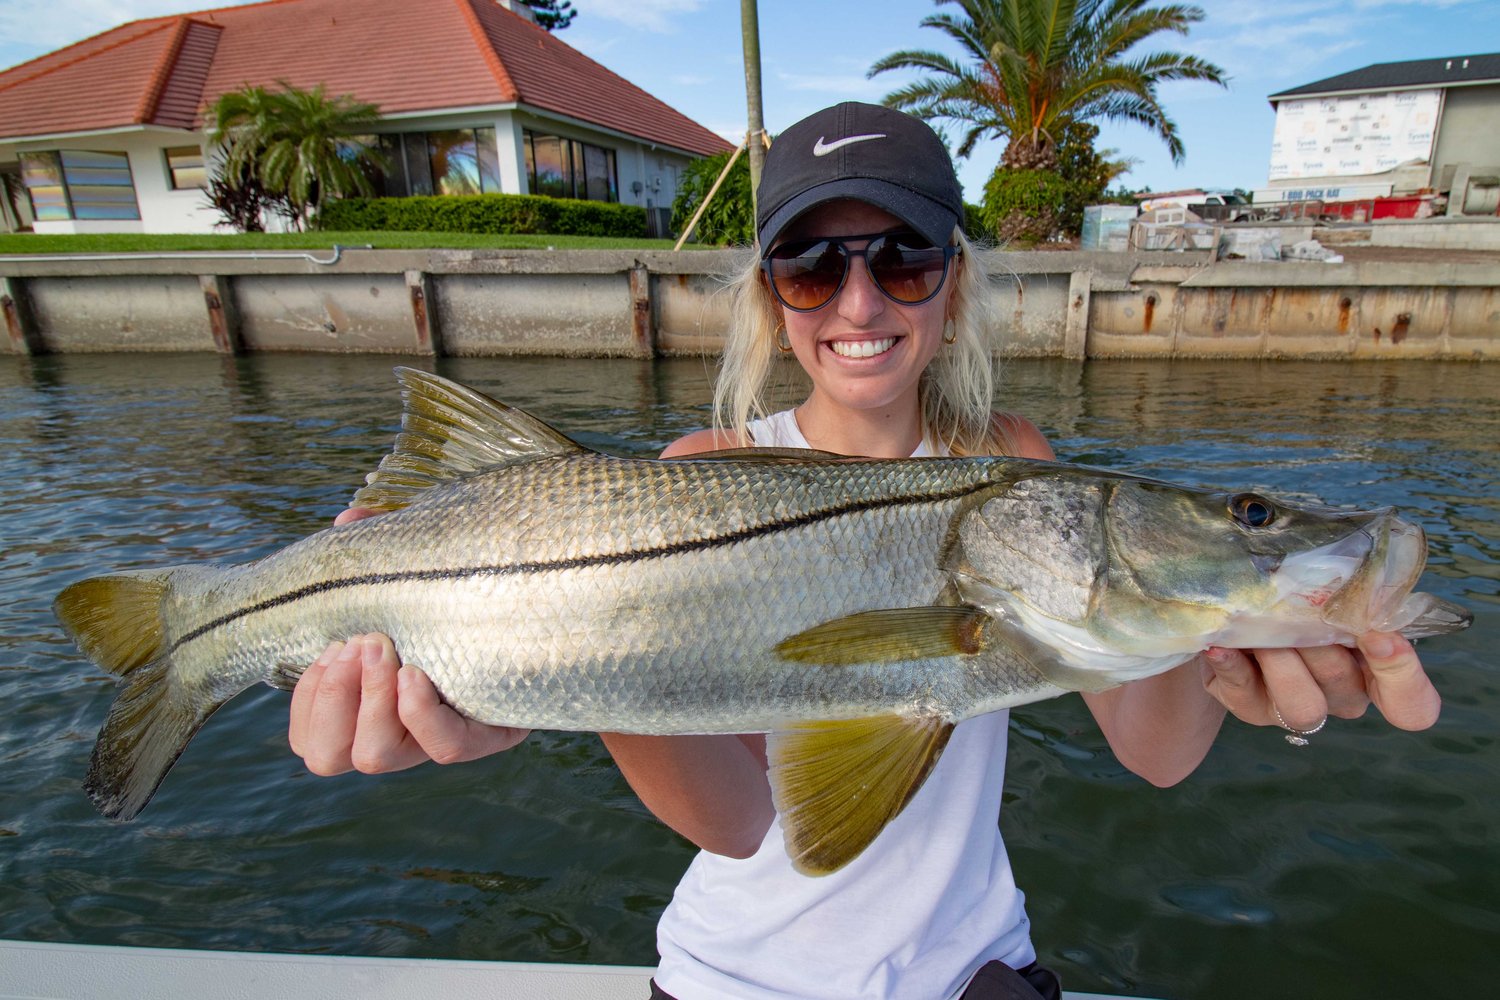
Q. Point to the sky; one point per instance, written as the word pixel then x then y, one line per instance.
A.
pixel 818 52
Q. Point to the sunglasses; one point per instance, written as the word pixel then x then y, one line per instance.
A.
pixel 807 274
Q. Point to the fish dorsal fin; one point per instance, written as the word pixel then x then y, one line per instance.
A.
pixel 448 431
pixel 770 455
pixel 837 784
pixel 888 636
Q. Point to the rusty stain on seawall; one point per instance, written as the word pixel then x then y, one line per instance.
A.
pixel 1399 328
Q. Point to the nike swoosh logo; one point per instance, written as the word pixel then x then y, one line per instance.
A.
pixel 821 148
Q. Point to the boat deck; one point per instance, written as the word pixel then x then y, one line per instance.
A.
pixel 44 971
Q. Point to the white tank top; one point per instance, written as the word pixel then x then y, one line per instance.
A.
pixel 914 916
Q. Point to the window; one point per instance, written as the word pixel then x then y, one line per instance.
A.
pixel 567 168
pixel 453 161
pixel 464 161
pixel 79 184
pixel 185 168
pixel 41 173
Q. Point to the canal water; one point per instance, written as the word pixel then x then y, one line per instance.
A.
pixel 1365 865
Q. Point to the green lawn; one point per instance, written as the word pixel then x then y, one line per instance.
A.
pixel 49 243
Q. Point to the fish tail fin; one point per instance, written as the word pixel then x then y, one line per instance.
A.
pixel 117 621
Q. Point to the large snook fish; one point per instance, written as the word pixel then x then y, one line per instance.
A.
pixel 855 610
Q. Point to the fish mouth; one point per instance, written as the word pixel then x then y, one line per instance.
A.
pixel 1360 581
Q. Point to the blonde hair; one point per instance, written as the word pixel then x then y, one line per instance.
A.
pixel 956 388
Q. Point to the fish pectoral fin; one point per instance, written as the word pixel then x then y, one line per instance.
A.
pixel 837 784
pixel 449 431
pixel 889 635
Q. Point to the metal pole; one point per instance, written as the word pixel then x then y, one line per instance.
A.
pixel 755 139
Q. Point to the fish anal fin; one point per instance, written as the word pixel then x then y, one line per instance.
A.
pixel 449 431
pixel 889 635
pixel 837 784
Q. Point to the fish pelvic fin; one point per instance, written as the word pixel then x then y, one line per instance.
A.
pixel 116 620
pixel 449 431
pixel 889 635
pixel 837 784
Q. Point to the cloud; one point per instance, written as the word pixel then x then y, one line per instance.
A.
pixel 659 16
pixel 34 27
pixel 1264 47
pixel 836 84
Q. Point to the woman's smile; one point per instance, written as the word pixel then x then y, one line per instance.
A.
pixel 862 348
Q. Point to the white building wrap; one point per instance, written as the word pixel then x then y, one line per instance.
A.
pixel 1355 135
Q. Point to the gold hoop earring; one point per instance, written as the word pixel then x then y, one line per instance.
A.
pixel 950 331
pixel 783 340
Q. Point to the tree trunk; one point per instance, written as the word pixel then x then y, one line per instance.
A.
pixel 1024 153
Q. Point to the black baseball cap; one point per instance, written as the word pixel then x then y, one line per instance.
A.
pixel 862 151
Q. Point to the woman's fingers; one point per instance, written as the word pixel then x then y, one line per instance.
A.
pixel 1337 672
pixel 1305 686
pixel 381 741
pixel 1231 677
pixel 442 733
pixel 303 696
pixel 1398 685
pixel 332 715
pixel 1295 697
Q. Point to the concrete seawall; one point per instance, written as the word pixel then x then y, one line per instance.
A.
pixel 644 303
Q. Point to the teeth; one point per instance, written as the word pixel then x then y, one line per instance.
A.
pixel 862 348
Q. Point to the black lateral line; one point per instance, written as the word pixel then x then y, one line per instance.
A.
pixel 578 562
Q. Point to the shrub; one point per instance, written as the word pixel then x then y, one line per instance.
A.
pixel 729 218
pixel 1023 206
pixel 485 213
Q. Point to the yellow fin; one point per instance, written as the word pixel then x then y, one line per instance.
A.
pixel 448 431
pixel 837 784
pixel 889 635
pixel 115 620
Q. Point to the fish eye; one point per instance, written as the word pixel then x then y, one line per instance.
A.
pixel 1252 511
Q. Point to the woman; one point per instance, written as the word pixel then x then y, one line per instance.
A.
pixel 868 281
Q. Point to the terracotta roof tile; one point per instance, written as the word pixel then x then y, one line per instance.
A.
pixel 559 78
pixel 181 93
pixel 404 57
pixel 96 84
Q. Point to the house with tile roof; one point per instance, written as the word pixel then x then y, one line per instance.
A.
pixel 1391 129
pixel 108 134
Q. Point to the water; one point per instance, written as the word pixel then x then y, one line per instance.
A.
pixel 1364 865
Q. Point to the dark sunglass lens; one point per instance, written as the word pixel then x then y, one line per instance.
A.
pixel 906 267
pixel 806 275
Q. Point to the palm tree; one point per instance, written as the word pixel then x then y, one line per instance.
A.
pixel 1034 66
pixel 299 145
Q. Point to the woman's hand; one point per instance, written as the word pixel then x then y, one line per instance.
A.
pixel 357 708
pixel 1306 686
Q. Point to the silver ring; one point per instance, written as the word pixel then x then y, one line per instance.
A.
pixel 1297 737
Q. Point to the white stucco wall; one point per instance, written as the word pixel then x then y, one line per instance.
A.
pixel 647 175
pixel 162 209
